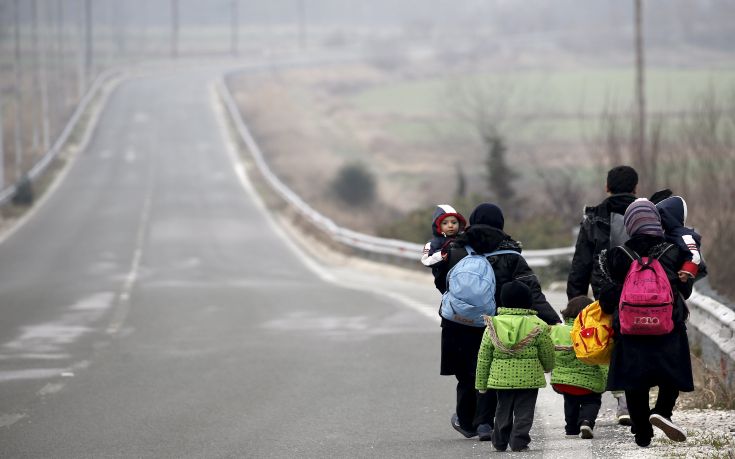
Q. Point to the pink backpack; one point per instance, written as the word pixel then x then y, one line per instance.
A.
pixel 647 301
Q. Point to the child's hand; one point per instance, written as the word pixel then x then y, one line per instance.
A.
pixel 683 276
pixel 444 256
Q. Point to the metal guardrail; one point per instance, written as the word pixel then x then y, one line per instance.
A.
pixel 40 166
pixel 354 239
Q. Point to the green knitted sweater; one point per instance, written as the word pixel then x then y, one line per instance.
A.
pixel 515 352
pixel 568 369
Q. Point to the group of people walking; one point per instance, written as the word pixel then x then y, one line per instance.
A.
pixel 499 362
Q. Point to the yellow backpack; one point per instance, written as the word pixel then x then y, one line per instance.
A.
pixel 592 335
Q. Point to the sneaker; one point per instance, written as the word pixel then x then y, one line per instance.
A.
pixel 500 448
pixel 521 449
pixel 467 433
pixel 484 432
pixel 585 430
pixel 622 412
pixel 674 432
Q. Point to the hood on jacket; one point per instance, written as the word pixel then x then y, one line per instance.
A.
pixel 484 239
pixel 513 327
pixel 617 203
pixel 441 212
pixel 673 211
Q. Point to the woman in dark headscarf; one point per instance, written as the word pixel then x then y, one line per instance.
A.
pixel 461 343
pixel 640 362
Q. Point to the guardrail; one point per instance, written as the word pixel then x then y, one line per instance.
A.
pixel 354 239
pixel 40 166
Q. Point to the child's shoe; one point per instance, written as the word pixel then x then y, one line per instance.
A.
pixel 484 432
pixel 674 432
pixel 585 430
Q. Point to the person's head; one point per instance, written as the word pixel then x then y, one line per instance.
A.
pixel 516 294
pixel 447 221
pixel 575 306
pixel 642 218
pixel 488 214
pixel 673 211
pixel 622 179
pixel 449 225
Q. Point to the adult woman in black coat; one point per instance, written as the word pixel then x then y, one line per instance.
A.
pixel 461 343
pixel 640 362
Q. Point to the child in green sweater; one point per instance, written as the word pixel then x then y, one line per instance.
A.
pixel 581 384
pixel 515 352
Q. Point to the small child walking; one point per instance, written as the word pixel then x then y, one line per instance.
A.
pixel 673 211
pixel 446 224
pixel 581 384
pixel 515 353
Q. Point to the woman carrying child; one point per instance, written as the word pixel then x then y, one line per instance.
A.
pixel 640 362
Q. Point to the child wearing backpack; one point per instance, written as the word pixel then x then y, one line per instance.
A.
pixel 446 224
pixel 651 345
pixel 581 384
pixel 673 211
pixel 515 352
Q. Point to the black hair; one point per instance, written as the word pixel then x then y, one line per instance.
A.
pixel 622 179
pixel 575 306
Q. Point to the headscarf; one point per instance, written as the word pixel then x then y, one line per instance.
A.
pixel 642 217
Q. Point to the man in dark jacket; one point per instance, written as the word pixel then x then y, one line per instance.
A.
pixel 602 228
pixel 461 343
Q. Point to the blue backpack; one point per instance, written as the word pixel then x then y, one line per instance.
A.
pixel 471 289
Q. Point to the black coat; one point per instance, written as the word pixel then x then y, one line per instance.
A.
pixel 460 343
pixel 640 361
pixel 593 238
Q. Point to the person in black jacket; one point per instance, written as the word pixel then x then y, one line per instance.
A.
pixel 640 362
pixel 602 228
pixel 461 343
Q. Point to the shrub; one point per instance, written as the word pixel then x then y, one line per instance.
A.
pixel 354 185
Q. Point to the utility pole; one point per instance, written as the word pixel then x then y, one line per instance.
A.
pixel 302 24
pixel 18 97
pixel 640 90
pixel 42 73
pixel 175 29
pixel 88 43
pixel 235 23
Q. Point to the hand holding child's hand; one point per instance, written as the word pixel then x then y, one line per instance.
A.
pixel 683 276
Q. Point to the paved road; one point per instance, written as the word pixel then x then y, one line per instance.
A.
pixel 152 308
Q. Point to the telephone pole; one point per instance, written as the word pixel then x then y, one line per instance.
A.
pixel 640 89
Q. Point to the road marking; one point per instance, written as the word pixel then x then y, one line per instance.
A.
pixel 429 312
pixel 123 298
pixel 250 190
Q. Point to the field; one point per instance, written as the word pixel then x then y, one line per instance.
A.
pixel 414 129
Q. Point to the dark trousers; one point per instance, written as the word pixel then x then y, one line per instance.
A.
pixel 474 408
pixel 578 408
pixel 640 410
pixel 514 418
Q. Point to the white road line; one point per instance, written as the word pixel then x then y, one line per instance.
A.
pixel 245 183
pixel 123 299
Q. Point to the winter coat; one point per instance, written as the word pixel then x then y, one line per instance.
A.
pixel 507 267
pixel 515 352
pixel 593 237
pixel 673 211
pixel 432 254
pixel 568 369
pixel 645 361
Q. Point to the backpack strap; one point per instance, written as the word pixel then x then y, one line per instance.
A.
pixel 668 246
pixel 633 256
pixel 502 252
